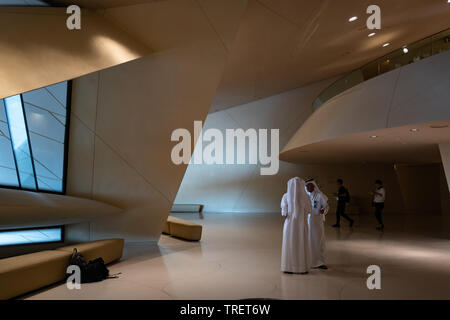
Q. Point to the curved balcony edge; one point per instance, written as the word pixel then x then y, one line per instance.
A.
pixel 408 54
pixel 414 94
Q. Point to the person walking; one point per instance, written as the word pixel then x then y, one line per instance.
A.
pixel 343 197
pixel 379 196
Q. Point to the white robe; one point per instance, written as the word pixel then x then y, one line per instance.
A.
pixel 295 206
pixel 316 236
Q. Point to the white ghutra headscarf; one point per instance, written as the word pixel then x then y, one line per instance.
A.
pixel 295 203
pixel 318 191
pixel 316 188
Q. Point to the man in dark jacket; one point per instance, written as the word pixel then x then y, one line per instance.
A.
pixel 343 197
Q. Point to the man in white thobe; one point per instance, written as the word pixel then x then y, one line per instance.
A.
pixel 295 206
pixel 316 220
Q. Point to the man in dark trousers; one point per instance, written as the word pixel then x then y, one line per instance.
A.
pixel 343 197
pixel 379 196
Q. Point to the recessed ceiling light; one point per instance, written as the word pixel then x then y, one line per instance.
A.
pixel 373 137
pixel 353 19
pixel 405 49
pixel 373 33
pixel 414 130
pixel 386 44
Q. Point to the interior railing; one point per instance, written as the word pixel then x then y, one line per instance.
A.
pixel 408 54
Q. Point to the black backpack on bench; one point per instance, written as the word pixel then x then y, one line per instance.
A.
pixel 93 271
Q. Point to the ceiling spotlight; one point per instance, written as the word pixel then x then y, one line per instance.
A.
pixel 353 19
pixel 386 44
pixel 414 130
pixel 373 33
pixel 373 137
pixel 405 49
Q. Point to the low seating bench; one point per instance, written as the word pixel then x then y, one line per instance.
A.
pixel 110 250
pixel 183 229
pixel 29 272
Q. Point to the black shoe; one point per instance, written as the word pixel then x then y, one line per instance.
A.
pixel 303 272
pixel 336 225
pixel 322 266
pixel 288 272
pixel 351 223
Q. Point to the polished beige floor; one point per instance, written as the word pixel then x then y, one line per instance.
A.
pixel 239 258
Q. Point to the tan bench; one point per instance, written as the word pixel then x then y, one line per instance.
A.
pixel 29 272
pixel 183 229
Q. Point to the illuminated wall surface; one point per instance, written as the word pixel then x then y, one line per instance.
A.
pixel 43 235
pixel 32 139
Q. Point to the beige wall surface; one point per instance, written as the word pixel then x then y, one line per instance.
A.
pixel 425 193
pixel 241 188
pixel 423 188
pixel 123 117
pixel 31 59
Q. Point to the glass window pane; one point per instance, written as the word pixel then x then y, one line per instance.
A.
pixel 36 120
pixel 44 98
pixel 59 93
pixel 43 235
pixel 45 111
pixel 8 174
pixel 19 137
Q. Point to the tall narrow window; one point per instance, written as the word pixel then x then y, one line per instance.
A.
pixel 20 143
pixel 8 172
pixel 33 134
pixel 45 111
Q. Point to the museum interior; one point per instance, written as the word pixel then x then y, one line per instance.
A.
pixel 94 94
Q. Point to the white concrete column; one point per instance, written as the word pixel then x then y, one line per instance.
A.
pixel 445 156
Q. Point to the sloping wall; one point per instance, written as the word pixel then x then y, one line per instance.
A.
pixel 37 49
pixel 241 188
pixel 123 117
